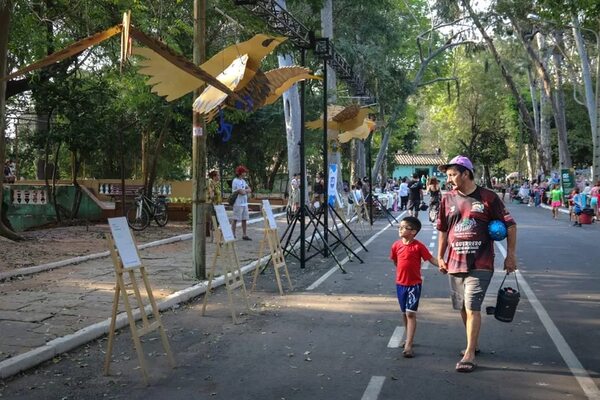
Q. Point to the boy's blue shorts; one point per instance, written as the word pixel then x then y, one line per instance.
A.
pixel 408 297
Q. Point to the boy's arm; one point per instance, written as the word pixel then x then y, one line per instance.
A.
pixel 434 261
pixel 442 246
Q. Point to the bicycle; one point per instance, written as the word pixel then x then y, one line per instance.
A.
pixel 145 208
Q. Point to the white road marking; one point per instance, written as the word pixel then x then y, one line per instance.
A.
pixel 327 274
pixel 374 388
pixel 583 378
pixel 432 244
pixel 396 338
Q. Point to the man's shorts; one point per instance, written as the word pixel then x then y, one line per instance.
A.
pixel 408 297
pixel 468 289
pixel 413 205
pixel 240 213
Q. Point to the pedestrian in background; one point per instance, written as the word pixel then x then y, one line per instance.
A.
pixel 594 194
pixel 403 193
pixel 240 207
pixel 556 199
pixel 407 253
pixel 415 196
pixel 578 205
pixel 462 222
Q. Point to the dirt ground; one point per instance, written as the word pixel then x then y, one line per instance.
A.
pixel 59 243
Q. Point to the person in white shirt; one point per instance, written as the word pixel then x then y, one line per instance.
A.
pixel 240 207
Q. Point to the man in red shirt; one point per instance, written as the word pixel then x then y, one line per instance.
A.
pixel 407 253
pixel 463 219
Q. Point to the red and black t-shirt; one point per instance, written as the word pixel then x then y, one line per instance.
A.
pixel 466 219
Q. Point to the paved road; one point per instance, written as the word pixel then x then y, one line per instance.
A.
pixel 339 340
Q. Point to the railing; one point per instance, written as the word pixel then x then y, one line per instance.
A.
pixel 29 196
pixel 114 189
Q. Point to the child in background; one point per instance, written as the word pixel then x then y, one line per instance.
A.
pixel 556 195
pixel 407 253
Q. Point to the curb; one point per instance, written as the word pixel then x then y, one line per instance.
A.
pixel 63 344
pixel 58 264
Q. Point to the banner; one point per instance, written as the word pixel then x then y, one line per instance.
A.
pixel 332 185
pixel 567 180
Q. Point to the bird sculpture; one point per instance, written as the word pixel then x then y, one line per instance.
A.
pixel 345 123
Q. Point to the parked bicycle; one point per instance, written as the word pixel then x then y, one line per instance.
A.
pixel 144 209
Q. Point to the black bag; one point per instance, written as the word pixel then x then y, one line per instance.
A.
pixel 423 206
pixel 506 304
pixel 232 198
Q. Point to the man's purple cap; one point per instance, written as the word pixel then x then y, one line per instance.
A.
pixel 458 160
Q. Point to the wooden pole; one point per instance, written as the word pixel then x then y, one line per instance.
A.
pixel 199 153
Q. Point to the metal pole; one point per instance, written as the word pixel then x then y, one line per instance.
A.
pixel 370 179
pixel 302 169
pixel 199 153
pixel 325 165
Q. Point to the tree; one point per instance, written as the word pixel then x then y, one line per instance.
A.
pixel 5 12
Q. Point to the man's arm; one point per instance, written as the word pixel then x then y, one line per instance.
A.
pixel 510 262
pixel 442 246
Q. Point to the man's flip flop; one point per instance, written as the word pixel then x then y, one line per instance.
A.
pixel 477 351
pixel 465 366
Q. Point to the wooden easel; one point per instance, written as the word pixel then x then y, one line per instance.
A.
pixel 121 291
pixel 362 214
pixel 277 256
pixel 231 271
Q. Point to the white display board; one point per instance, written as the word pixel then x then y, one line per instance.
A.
pixel 124 242
pixel 269 212
pixel 224 223
pixel 332 184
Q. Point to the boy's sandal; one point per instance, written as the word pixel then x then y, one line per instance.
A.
pixel 408 354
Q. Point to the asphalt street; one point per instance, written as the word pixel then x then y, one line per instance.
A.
pixel 340 337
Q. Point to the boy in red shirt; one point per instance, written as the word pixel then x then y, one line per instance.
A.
pixel 407 253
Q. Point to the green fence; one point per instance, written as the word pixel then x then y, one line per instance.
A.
pixel 28 206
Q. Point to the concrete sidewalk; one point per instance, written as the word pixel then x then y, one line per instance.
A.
pixel 50 312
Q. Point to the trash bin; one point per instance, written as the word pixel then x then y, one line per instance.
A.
pixel 586 216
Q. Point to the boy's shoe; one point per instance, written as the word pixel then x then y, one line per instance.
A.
pixel 246 238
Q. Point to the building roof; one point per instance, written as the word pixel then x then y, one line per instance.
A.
pixel 419 159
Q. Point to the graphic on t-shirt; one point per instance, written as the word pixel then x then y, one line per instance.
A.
pixel 477 207
pixel 466 225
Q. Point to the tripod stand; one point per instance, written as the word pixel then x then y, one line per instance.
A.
pixel 315 221
pixel 373 200
pixel 339 237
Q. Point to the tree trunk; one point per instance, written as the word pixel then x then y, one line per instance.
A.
pixel 159 145
pixel 545 111
pixel 523 111
pixel 558 103
pixel 5 8
pixel 591 98
pixel 276 166
pixel 530 164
